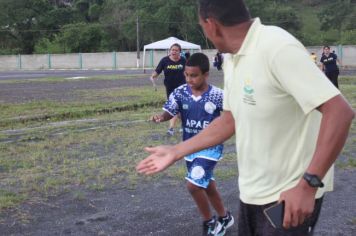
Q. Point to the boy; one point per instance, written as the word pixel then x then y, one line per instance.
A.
pixel 199 103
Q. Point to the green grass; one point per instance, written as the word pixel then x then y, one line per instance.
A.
pixel 89 103
pixel 10 199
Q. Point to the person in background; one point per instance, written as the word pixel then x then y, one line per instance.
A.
pixel 329 63
pixel 173 67
pixel 187 55
pixel 289 126
pixel 218 61
pixel 314 58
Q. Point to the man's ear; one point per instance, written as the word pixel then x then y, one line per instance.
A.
pixel 213 26
pixel 206 74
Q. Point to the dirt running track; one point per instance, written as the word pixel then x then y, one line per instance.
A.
pixel 64 91
pixel 161 209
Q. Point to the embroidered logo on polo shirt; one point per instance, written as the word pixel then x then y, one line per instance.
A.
pixel 248 97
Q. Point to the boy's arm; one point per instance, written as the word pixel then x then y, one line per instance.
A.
pixel 162 117
pixel 161 157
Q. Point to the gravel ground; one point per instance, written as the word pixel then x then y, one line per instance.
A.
pixel 160 208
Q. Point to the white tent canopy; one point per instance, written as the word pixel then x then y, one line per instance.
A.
pixel 166 44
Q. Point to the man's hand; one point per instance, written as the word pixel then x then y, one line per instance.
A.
pixel 299 204
pixel 160 159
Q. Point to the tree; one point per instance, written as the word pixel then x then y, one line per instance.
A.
pixel 273 12
pixel 26 22
pixel 340 16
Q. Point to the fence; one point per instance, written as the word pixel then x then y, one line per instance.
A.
pixel 125 60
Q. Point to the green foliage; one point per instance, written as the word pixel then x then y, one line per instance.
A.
pixel 44 45
pixel 338 14
pixel 22 21
pixel 348 37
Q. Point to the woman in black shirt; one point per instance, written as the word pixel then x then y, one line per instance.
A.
pixel 329 65
pixel 173 68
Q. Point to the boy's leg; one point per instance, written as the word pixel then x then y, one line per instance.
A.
pixel 201 200
pixel 225 218
pixel 172 124
pixel 215 199
pixel 200 176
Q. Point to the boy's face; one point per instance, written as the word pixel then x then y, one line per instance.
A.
pixel 194 77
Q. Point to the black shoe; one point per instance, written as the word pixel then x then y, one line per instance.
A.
pixel 211 227
pixel 226 222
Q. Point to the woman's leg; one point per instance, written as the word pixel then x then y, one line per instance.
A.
pixel 333 77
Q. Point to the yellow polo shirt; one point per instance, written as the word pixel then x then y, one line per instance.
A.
pixel 273 89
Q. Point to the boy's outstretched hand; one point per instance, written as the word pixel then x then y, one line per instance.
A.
pixel 160 159
pixel 156 118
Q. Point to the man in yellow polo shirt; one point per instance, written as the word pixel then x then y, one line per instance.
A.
pixel 290 121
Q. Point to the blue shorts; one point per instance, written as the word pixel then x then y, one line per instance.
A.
pixel 213 153
pixel 200 171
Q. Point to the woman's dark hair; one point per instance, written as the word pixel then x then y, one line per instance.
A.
pixel 200 60
pixel 227 12
pixel 326 47
pixel 176 45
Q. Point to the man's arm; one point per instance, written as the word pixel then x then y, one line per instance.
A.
pixel 161 157
pixel 334 128
pixel 336 119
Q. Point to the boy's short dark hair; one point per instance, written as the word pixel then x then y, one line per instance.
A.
pixel 227 12
pixel 200 60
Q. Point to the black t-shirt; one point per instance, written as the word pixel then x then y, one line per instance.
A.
pixel 173 72
pixel 329 62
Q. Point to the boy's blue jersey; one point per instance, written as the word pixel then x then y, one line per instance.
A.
pixel 196 113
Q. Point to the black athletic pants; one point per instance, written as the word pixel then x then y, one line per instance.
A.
pixel 252 222
pixel 333 77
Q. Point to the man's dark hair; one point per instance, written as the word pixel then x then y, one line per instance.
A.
pixel 200 60
pixel 227 12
